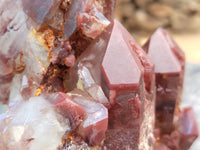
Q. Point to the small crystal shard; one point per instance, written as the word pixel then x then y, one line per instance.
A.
pixel 126 91
pixel 71 21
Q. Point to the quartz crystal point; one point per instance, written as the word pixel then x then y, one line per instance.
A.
pixel 32 125
pixel 169 69
pixel 126 69
pixel 118 65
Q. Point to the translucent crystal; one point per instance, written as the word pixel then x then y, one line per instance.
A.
pixel 95 124
pixel 169 70
pixel 32 124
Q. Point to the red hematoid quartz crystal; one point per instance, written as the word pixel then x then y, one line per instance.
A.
pixel 75 78
pixel 169 70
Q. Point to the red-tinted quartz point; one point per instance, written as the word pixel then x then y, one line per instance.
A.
pixel 162 55
pixel 188 128
pixel 123 69
pixel 169 70
pixel 120 67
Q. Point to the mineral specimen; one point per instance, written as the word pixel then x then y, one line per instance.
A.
pixel 169 62
pixel 74 78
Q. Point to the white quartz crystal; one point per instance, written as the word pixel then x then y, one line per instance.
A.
pixel 32 125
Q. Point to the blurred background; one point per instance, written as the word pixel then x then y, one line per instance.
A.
pixel 182 19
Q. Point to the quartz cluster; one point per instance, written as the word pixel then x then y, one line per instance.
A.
pixel 74 78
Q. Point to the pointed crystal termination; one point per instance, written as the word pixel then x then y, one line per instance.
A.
pixel 187 128
pixel 125 70
pixel 169 69
pixel 150 90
